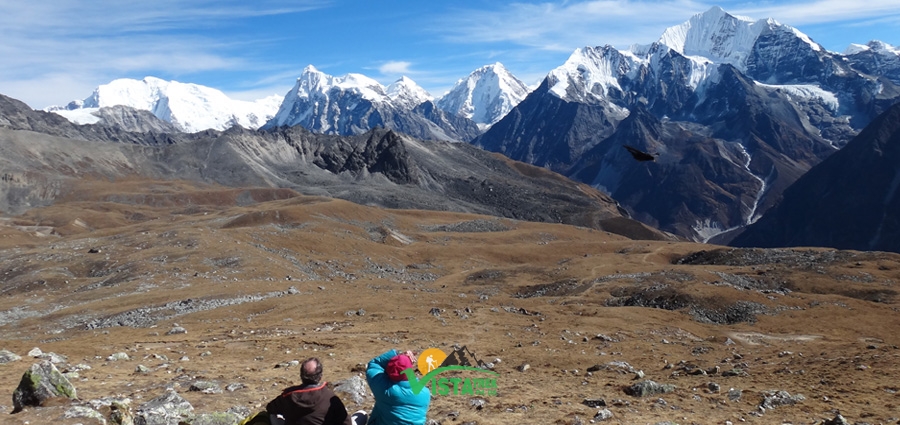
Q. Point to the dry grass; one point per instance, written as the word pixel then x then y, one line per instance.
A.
pixel 832 336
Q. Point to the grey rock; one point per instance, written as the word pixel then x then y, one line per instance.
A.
pixel 141 369
pixel 167 409
pixel 713 387
pixel 120 412
pixel 838 420
pixel 35 352
pixel 734 372
pixel 240 411
pixel 206 387
pixel 478 403
pixel 86 413
pixel 773 399
pixel 54 358
pixel 353 388
pixel 734 394
pixel 217 418
pixel 234 387
pixel 118 356
pixel 41 382
pixel 119 409
pixel 176 330
pixel 594 402
pixel 603 415
pixel 648 388
pixel 7 356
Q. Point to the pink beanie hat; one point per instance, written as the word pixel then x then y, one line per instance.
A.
pixel 396 366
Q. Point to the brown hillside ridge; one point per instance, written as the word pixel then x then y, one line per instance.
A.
pixel 261 277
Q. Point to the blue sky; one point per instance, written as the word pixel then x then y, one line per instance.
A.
pixel 55 51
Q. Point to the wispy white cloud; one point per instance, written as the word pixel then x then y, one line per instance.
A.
pixel 821 11
pixel 395 68
pixel 87 43
pixel 567 25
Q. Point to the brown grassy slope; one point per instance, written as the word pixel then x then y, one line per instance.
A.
pixel 521 292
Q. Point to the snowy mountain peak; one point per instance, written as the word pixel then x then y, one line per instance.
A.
pixel 190 107
pixel 723 38
pixel 874 46
pixel 590 72
pixel 405 91
pixel 715 35
pixel 313 83
pixel 486 95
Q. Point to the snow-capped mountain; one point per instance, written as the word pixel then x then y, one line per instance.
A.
pixel 189 107
pixel 734 109
pixel 485 96
pixel 405 92
pixel 876 58
pixel 354 104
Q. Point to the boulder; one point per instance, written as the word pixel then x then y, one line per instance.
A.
pixel 648 388
pixel 167 409
pixel 353 388
pixel 217 418
pixel 206 387
pixel 43 381
pixel 85 413
pixel 773 399
pixel 603 415
pixel 7 356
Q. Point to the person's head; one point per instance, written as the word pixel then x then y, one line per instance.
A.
pixel 396 365
pixel 311 371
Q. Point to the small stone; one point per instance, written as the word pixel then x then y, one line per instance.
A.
pixel 603 415
pixel 7 356
pixel 234 387
pixel 141 369
pixel 648 388
pixel 523 367
pixel 594 402
pixel 733 372
pixel 176 330
pixel 713 387
pixel 478 403
pixel 118 356
pixel 205 387
pixel 838 420
pixel 35 352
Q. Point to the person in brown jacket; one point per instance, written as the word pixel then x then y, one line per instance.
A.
pixel 311 402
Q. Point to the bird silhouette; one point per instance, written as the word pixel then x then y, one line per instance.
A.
pixel 639 154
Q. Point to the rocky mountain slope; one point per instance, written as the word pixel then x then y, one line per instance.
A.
pixel 43 155
pixel 735 110
pixel 849 201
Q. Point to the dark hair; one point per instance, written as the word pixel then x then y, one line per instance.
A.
pixel 311 378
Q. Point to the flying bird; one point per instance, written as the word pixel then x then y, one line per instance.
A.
pixel 639 154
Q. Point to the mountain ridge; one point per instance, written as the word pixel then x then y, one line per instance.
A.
pixel 777 100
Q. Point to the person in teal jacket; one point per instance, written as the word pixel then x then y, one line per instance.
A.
pixel 395 403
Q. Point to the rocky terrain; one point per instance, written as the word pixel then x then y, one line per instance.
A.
pixel 206 296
